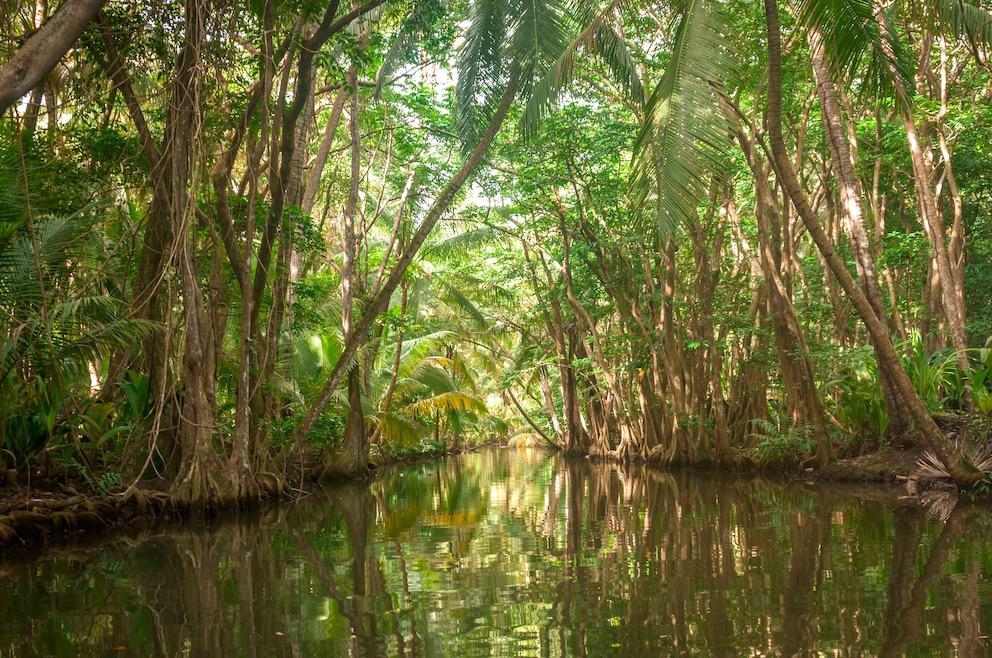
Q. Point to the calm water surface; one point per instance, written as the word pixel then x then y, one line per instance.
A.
pixel 509 553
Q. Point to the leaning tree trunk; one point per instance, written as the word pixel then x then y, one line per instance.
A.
pixel 963 473
pixel 952 296
pixel 851 210
pixel 40 53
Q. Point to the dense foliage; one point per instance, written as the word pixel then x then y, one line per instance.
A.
pixel 237 241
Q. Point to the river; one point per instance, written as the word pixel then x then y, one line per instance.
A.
pixel 523 553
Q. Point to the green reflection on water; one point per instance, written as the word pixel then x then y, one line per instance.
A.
pixel 508 553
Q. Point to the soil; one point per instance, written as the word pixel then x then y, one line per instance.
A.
pixel 885 465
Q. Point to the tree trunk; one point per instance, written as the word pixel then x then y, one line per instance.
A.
pixel 352 458
pixel 323 151
pixel 199 482
pixel 961 471
pixel 952 297
pixel 380 302
pixel 804 401
pixel 851 210
pixel 39 55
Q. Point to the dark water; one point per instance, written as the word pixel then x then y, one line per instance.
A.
pixel 508 553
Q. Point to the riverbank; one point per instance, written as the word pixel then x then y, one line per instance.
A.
pixel 60 511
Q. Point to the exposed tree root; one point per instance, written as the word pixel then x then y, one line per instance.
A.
pixel 345 465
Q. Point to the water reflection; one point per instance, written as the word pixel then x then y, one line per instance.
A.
pixel 504 553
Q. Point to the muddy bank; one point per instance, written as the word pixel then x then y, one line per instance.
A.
pixel 886 465
pixel 57 512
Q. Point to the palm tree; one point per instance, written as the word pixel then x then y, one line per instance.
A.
pixel 56 328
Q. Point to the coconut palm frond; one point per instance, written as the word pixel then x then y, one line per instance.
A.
pixel 314 353
pixel 596 37
pixel 965 21
pixel 685 134
pixel 929 467
pixel 21 258
pixel 461 372
pixel 434 377
pixel 541 34
pixel 461 243
pixel 487 362
pixel 459 302
pixel 494 294
pixel 415 350
pixel 445 402
pixel 408 388
pixel 399 429
pixel 481 66
pixel 861 43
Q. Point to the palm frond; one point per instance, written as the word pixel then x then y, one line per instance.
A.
pixel 314 353
pixel 399 429
pixel 445 402
pixel 685 133
pixel 408 388
pixel 480 68
pixel 104 338
pixel 463 373
pixel 860 41
pixel 540 36
pixel 455 298
pixel 48 323
pixel 461 243
pixel 596 37
pixel 416 350
pixel 21 257
pixel 435 378
pixel 965 21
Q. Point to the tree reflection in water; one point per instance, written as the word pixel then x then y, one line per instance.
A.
pixel 504 553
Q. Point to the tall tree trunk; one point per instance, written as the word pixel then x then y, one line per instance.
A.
pixel 352 458
pixel 961 471
pixel 851 210
pixel 324 150
pixel 804 401
pixel 198 482
pixel 952 297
